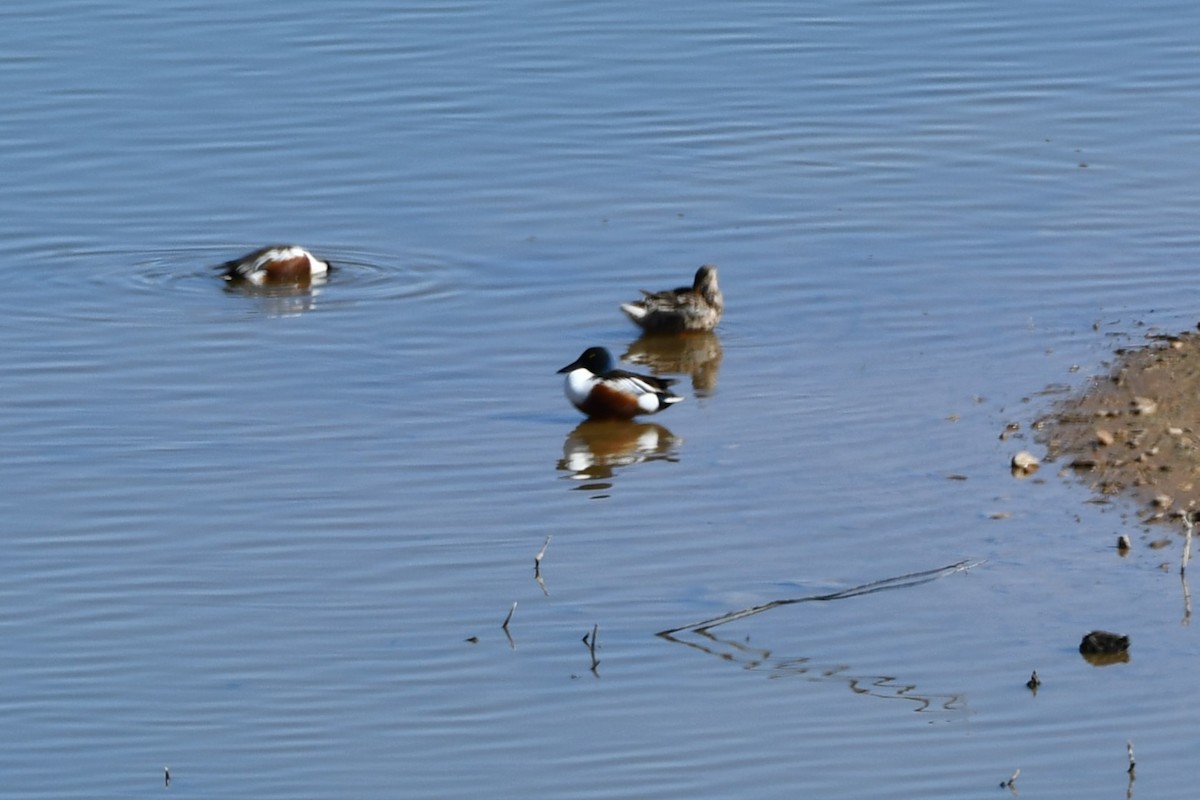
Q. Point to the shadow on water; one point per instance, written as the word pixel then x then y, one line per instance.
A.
pixel 777 667
pixel 596 449
pixel 699 636
pixel 696 354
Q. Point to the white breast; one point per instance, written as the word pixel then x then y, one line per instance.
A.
pixel 578 385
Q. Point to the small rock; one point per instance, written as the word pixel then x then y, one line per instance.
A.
pixel 1159 544
pixel 1123 544
pixel 1104 438
pixel 1175 431
pixel 1024 463
pixel 1162 501
pixel 1144 406
pixel 1104 642
pixel 1034 681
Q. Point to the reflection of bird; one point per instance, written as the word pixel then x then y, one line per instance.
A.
pixel 599 390
pixel 698 355
pixel 689 308
pixel 596 448
pixel 275 264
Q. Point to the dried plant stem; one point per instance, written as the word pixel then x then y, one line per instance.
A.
pixel 898 582
pixel 591 643
pixel 1188 527
pixel 537 560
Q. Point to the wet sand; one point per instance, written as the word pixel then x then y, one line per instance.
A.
pixel 1136 431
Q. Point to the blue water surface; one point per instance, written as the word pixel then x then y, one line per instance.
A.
pixel 268 539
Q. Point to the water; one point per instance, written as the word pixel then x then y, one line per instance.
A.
pixel 250 536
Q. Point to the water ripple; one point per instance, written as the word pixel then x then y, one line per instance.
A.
pixel 99 285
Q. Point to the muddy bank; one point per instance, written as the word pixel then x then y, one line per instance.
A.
pixel 1136 431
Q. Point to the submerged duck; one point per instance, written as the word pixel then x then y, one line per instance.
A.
pixel 276 264
pixel 598 389
pixel 689 308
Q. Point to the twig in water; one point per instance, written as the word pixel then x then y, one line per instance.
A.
pixel 1187 600
pixel 537 568
pixel 1187 543
pixel 509 617
pixel 1011 783
pixel 1189 529
pixel 898 582
pixel 537 560
pixel 1132 763
pixel 167 777
pixel 591 643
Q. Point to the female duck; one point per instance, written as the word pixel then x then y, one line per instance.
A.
pixel 689 308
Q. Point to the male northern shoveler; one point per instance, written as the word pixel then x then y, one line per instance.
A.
pixel 689 308
pixel 276 264
pixel 599 390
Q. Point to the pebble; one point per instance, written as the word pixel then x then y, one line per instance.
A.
pixel 1024 463
pixel 1123 543
pixel 1144 406
pixel 1104 438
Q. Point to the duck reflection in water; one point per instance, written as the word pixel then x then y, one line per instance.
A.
pixel 696 354
pixel 594 451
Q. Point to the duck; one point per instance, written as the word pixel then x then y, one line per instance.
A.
pixel 277 263
pixel 597 388
pixel 689 308
pixel 1103 643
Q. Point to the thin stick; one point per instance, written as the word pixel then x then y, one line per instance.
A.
pixel 537 560
pixel 509 617
pixel 1129 749
pixel 592 645
pixel 898 582
pixel 1187 543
